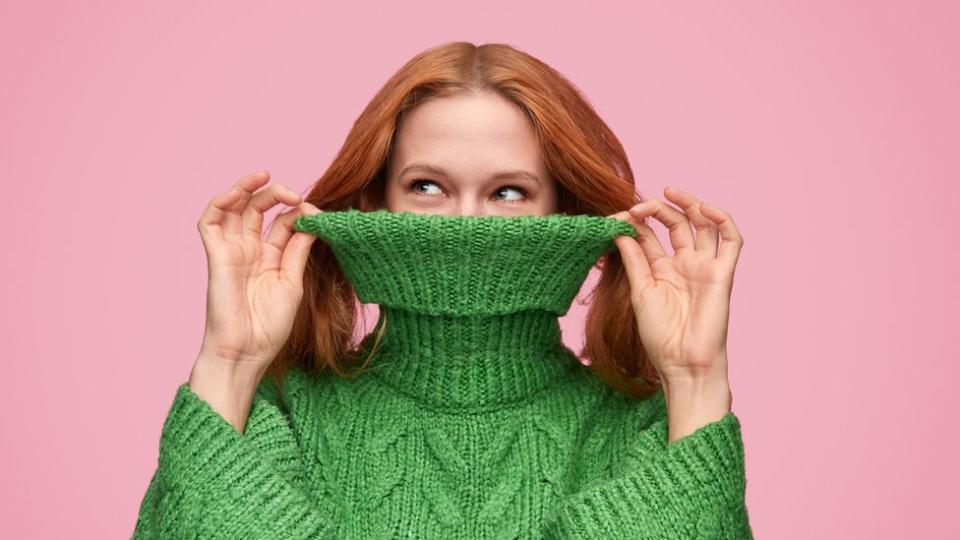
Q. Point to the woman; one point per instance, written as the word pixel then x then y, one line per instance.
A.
pixel 469 201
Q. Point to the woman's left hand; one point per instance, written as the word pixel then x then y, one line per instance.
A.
pixel 682 302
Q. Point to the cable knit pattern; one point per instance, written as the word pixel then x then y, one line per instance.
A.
pixel 473 421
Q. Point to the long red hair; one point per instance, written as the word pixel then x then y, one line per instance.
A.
pixel 580 151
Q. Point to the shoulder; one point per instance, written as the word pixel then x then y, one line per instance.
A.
pixel 276 403
pixel 307 398
pixel 613 430
pixel 609 408
pixel 587 404
pixel 295 383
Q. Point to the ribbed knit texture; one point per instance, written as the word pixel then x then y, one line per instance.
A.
pixel 473 421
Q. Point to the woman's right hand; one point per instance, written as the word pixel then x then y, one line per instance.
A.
pixel 254 290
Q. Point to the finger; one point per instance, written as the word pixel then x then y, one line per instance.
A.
pixel 681 235
pixel 706 229
pixel 264 200
pixel 646 238
pixel 634 261
pixel 282 228
pixel 246 186
pixel 210 224
pixel 297 249
pixel 731 241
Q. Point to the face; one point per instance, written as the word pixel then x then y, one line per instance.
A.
pixel 470 154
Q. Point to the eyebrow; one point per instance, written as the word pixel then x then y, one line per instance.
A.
pixel 518 173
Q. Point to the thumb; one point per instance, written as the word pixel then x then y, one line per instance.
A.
pixel 295 255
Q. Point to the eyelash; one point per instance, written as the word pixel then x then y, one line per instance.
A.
pixel 413 183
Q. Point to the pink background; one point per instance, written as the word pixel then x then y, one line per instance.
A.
pixel 828 129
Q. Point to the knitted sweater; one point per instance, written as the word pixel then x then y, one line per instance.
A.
pixel 473 421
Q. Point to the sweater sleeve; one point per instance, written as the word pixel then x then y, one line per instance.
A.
pixel 213 482
pixel 693 487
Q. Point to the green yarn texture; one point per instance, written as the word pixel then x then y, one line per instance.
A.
pixel 474 420
pixel 464 265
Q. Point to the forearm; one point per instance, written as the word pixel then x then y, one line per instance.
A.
pixel 693 402
pixel 229 391
pixel 209 476
pixel 692 488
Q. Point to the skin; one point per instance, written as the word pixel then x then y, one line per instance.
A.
pixel 482 158
pixel 682 303
pixel 480 151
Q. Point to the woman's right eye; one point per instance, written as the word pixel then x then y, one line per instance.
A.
pixel 413 186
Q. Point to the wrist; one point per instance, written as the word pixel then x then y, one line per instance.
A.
pixel 695 402
pixel 700 387
pixel 225 372
pixel 228 390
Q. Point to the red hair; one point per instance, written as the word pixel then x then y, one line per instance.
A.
pixel 580 152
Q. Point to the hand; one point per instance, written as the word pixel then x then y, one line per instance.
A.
pixel 254 290
pixel 682 302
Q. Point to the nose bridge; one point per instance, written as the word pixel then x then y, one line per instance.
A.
pixel 470 205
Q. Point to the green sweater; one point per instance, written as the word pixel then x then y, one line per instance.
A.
pixel 474 421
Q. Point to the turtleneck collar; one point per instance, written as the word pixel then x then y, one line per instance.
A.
pixel 470 304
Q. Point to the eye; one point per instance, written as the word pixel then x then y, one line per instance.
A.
pixel 522 193
pixel 413 186
pixel 429 188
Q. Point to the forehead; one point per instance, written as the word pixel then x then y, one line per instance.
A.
pixel 485 128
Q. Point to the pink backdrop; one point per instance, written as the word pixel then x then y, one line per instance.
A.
pixel 828 129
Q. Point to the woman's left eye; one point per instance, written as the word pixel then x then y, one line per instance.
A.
pixel 523 194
